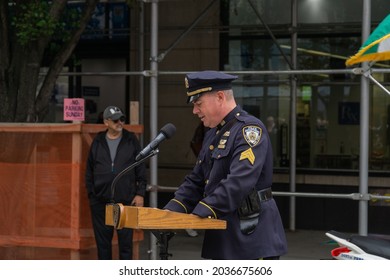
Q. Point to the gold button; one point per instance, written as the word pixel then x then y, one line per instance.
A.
pixel 211 147
pixel 207 181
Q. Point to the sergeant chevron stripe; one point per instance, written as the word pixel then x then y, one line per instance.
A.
pixel 248 154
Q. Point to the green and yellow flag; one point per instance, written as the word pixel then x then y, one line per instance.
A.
pixel 377 46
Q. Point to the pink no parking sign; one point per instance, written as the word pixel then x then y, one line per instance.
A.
pixel 74 109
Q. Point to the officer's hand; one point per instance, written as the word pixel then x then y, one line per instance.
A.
pixel 138 201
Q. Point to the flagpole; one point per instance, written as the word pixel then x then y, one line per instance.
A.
pixel 377 83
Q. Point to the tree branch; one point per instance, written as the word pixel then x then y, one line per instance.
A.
pixel 61 58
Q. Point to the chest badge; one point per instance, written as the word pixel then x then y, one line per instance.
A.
pixel 252 135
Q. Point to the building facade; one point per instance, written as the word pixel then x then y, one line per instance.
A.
pixel 260 41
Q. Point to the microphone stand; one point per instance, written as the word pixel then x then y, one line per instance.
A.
pixel 162 237
pixel 127 169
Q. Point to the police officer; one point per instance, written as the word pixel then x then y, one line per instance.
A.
pixel 232 177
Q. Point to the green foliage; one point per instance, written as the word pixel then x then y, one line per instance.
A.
pixel 70 21
pixel 33 22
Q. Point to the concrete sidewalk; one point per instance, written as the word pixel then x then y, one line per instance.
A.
pixel 302 245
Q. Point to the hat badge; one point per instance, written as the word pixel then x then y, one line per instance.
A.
pixel 186 82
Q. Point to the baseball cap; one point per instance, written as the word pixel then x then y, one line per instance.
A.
pixel 113 113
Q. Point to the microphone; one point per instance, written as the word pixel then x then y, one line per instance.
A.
pixel 166 132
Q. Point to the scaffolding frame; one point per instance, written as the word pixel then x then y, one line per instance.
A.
pixel 364 109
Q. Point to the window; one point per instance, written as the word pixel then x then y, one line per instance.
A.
pixel 328 106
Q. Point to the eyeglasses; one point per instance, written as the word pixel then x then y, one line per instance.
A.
pixel 121 119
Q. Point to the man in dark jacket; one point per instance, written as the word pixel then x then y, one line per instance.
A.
pixel 232 177
pixel 111 152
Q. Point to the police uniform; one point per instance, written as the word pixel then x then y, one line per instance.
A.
pixel 235 161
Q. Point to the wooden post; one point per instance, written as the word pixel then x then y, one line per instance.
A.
pixel 75 192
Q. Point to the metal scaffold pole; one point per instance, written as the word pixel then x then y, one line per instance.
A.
pixel 364 126
pixel 153 112
pixel 293 123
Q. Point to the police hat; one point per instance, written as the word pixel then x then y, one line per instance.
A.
pixel 206 81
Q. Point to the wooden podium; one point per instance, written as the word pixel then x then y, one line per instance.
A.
pixel 160 222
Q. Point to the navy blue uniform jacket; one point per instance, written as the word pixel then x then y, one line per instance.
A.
pixel 224 174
